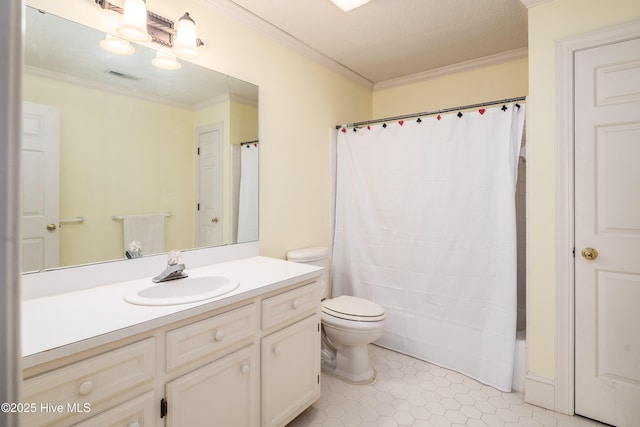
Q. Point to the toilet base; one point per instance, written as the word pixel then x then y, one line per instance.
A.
pixel 331 371
pixel 352 365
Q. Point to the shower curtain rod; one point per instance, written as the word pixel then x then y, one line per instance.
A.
pixel 250 142
pixel 430 113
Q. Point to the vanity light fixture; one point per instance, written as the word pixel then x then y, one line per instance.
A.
pixel 117 45
pixel 134 21
pixel 166 61
pixel 348 5
pixel 158 29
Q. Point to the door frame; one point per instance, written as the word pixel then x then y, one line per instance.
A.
pixel 11 15
pixel 565 237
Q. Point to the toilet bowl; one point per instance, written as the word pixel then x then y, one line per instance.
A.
pixel 349 325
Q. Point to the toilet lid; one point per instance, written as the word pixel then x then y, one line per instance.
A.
pixel 353 308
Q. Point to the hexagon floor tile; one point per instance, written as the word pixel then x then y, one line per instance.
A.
pixel 411 392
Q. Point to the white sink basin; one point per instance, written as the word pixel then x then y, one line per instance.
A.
pixel 184 291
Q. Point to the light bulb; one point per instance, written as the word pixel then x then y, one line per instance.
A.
pixel 134 21
pixel 347 5
pixel 166 61
pixel 185 42
pixel 116 45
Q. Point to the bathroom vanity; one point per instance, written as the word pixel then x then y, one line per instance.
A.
pixel 248 358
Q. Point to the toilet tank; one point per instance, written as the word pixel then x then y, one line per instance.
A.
pixel 317 255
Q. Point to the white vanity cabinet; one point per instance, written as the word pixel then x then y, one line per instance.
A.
pixel 252 362
pixel 290 354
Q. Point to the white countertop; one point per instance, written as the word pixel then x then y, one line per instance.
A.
pixel 58 325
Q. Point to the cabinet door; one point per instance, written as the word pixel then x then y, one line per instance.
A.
pixel 222 393
pixel 290 371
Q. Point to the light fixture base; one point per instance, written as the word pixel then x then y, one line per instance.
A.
pixel 161 29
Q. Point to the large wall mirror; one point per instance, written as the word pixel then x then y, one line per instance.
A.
pixel 115 147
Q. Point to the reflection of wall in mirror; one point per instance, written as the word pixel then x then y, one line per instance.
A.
pixel 124 155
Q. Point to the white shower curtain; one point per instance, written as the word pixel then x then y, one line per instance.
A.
pixel 425 226
pixel 248 197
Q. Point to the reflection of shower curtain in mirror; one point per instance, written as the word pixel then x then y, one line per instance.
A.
pixel 425 226
pixel 248 198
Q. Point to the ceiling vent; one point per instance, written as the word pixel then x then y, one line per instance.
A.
pixel 121 75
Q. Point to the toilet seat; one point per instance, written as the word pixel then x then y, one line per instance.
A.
pixel 353 308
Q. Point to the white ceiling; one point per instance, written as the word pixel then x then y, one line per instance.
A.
pixel 390 39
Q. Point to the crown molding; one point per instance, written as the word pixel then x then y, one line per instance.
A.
pixel 253 21
pixel 498 58
pixel 532 3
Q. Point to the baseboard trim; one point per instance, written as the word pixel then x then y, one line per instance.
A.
pixel 540 391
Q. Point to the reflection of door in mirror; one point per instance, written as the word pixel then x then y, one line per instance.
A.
pixel 209 218
pixel 40 187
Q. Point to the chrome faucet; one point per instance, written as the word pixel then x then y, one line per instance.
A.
pixel 175 269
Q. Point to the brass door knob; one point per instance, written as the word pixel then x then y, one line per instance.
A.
pixel 589 253
pixel 214 219
pixel 51 227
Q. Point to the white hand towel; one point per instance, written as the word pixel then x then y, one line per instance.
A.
pixel 146 229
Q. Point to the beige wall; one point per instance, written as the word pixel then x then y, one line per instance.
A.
pixel 300 102
pixel 548 23
pixel 486 83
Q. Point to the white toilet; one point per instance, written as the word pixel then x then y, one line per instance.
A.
pixel 349 324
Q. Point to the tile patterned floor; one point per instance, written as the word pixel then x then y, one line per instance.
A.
pixel 410 392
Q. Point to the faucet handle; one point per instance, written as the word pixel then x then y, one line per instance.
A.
pixel 174 258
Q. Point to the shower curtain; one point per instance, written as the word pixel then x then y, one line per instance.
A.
pixel 248 197
pixel 425 226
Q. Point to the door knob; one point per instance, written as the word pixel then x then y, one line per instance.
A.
pixel 589 253
pixel 51 227
pixel 214 219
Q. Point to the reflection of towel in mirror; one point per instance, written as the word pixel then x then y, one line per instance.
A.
pixel 146 229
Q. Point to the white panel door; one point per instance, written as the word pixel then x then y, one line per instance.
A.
pixel 209 186
pixel 607 219
pixel 40 187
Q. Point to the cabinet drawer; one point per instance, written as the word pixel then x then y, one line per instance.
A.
pixel 289 306
pixel 64 392
pixel 137 412
pixel 215 335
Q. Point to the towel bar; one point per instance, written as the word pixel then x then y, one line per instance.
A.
pixel 118 217
pixel 68 220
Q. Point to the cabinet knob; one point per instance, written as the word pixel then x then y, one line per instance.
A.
pixel 276 350
pixel 218 336
pixel 295 304
pixel 85 388
pixel 245 368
